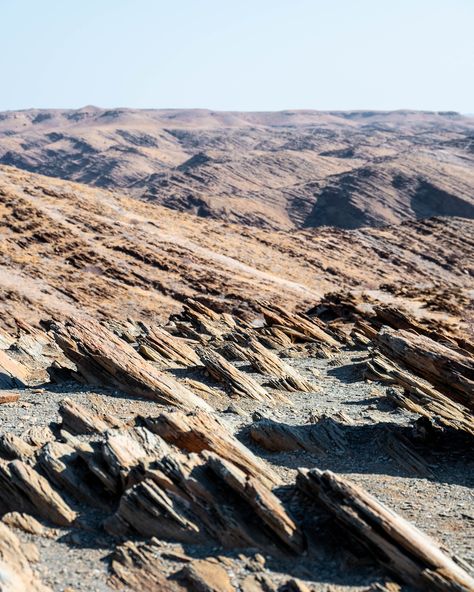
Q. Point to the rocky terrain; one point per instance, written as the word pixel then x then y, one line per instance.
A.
pixel 282 171
pixel 69 249
pixel 328 451
pixel 196 404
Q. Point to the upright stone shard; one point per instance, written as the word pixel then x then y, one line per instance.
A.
pixel 265 504
pixel 25 490
pixel 296 325
pixel 104 359
pixel 13 374
pixel 447 369
pixel 199 431
pixel 266 362
pixel 79 420
pixel 170 348
pixel 238 382
pixel 410 554
pixel 420 396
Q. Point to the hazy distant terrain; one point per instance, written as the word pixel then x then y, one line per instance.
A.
pixel 279 170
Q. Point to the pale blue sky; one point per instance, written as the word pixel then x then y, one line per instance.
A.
pixel 239 55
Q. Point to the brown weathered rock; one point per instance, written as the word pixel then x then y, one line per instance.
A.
pixel 274 338
pixel 6 340
pixel 12 447
pixel 400 449
pixel 232 352
pixel 9 397
pixel 79 420
pixel 363 332
pixel 435 330
pixel 202 431
pixel 47 503
pixel 15 570
pixel 409 553
pixel 123 450
pixel 24 522
pixel 200 499
pixel 202 389
pixel 326 434
pixel 136 565
pixel 258 583
pixel 13 374
pixel 296 325
pixel 206 575
pixel 103 358
pixel 447 369
pixel 169 347
pixel 36 350
pixel 91 454
pixel 341 304
pixel 157 507
pixel 265 504
pixel 200 323
pixel 420 397
pixel 223 371
pixel 266 362
pixel 38 435
pixel 61 463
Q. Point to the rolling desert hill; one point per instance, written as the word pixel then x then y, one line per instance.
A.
pixel 71 249
pixel 283 170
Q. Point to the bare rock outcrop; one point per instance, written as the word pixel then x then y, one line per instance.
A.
pixel 102 358
pixel 411 555
pixel 448 369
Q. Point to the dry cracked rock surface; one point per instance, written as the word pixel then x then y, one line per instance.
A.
pixel 330 450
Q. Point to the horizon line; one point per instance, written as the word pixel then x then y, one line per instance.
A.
pixel 211 110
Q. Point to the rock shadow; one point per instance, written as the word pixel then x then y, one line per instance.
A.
pixel 384 448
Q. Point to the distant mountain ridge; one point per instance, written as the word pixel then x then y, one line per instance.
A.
pixel 279 170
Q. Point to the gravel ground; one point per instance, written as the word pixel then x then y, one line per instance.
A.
pixel 442 505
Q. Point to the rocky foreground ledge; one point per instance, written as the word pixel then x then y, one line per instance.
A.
pixel 295 453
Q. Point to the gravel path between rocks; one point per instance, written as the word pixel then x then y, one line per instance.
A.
pixel 441 506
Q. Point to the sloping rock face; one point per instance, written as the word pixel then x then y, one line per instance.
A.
pixel 68 249
pixel 275 170
pixel 15 568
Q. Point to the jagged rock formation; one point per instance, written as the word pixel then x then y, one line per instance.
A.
pixel 163 449
pixel 199 497
pixel 101 358
pixel 407 551
pixel 435 372
pixel 276 170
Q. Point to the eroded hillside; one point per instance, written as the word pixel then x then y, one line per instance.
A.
pixel 274 170
pixel 68 248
